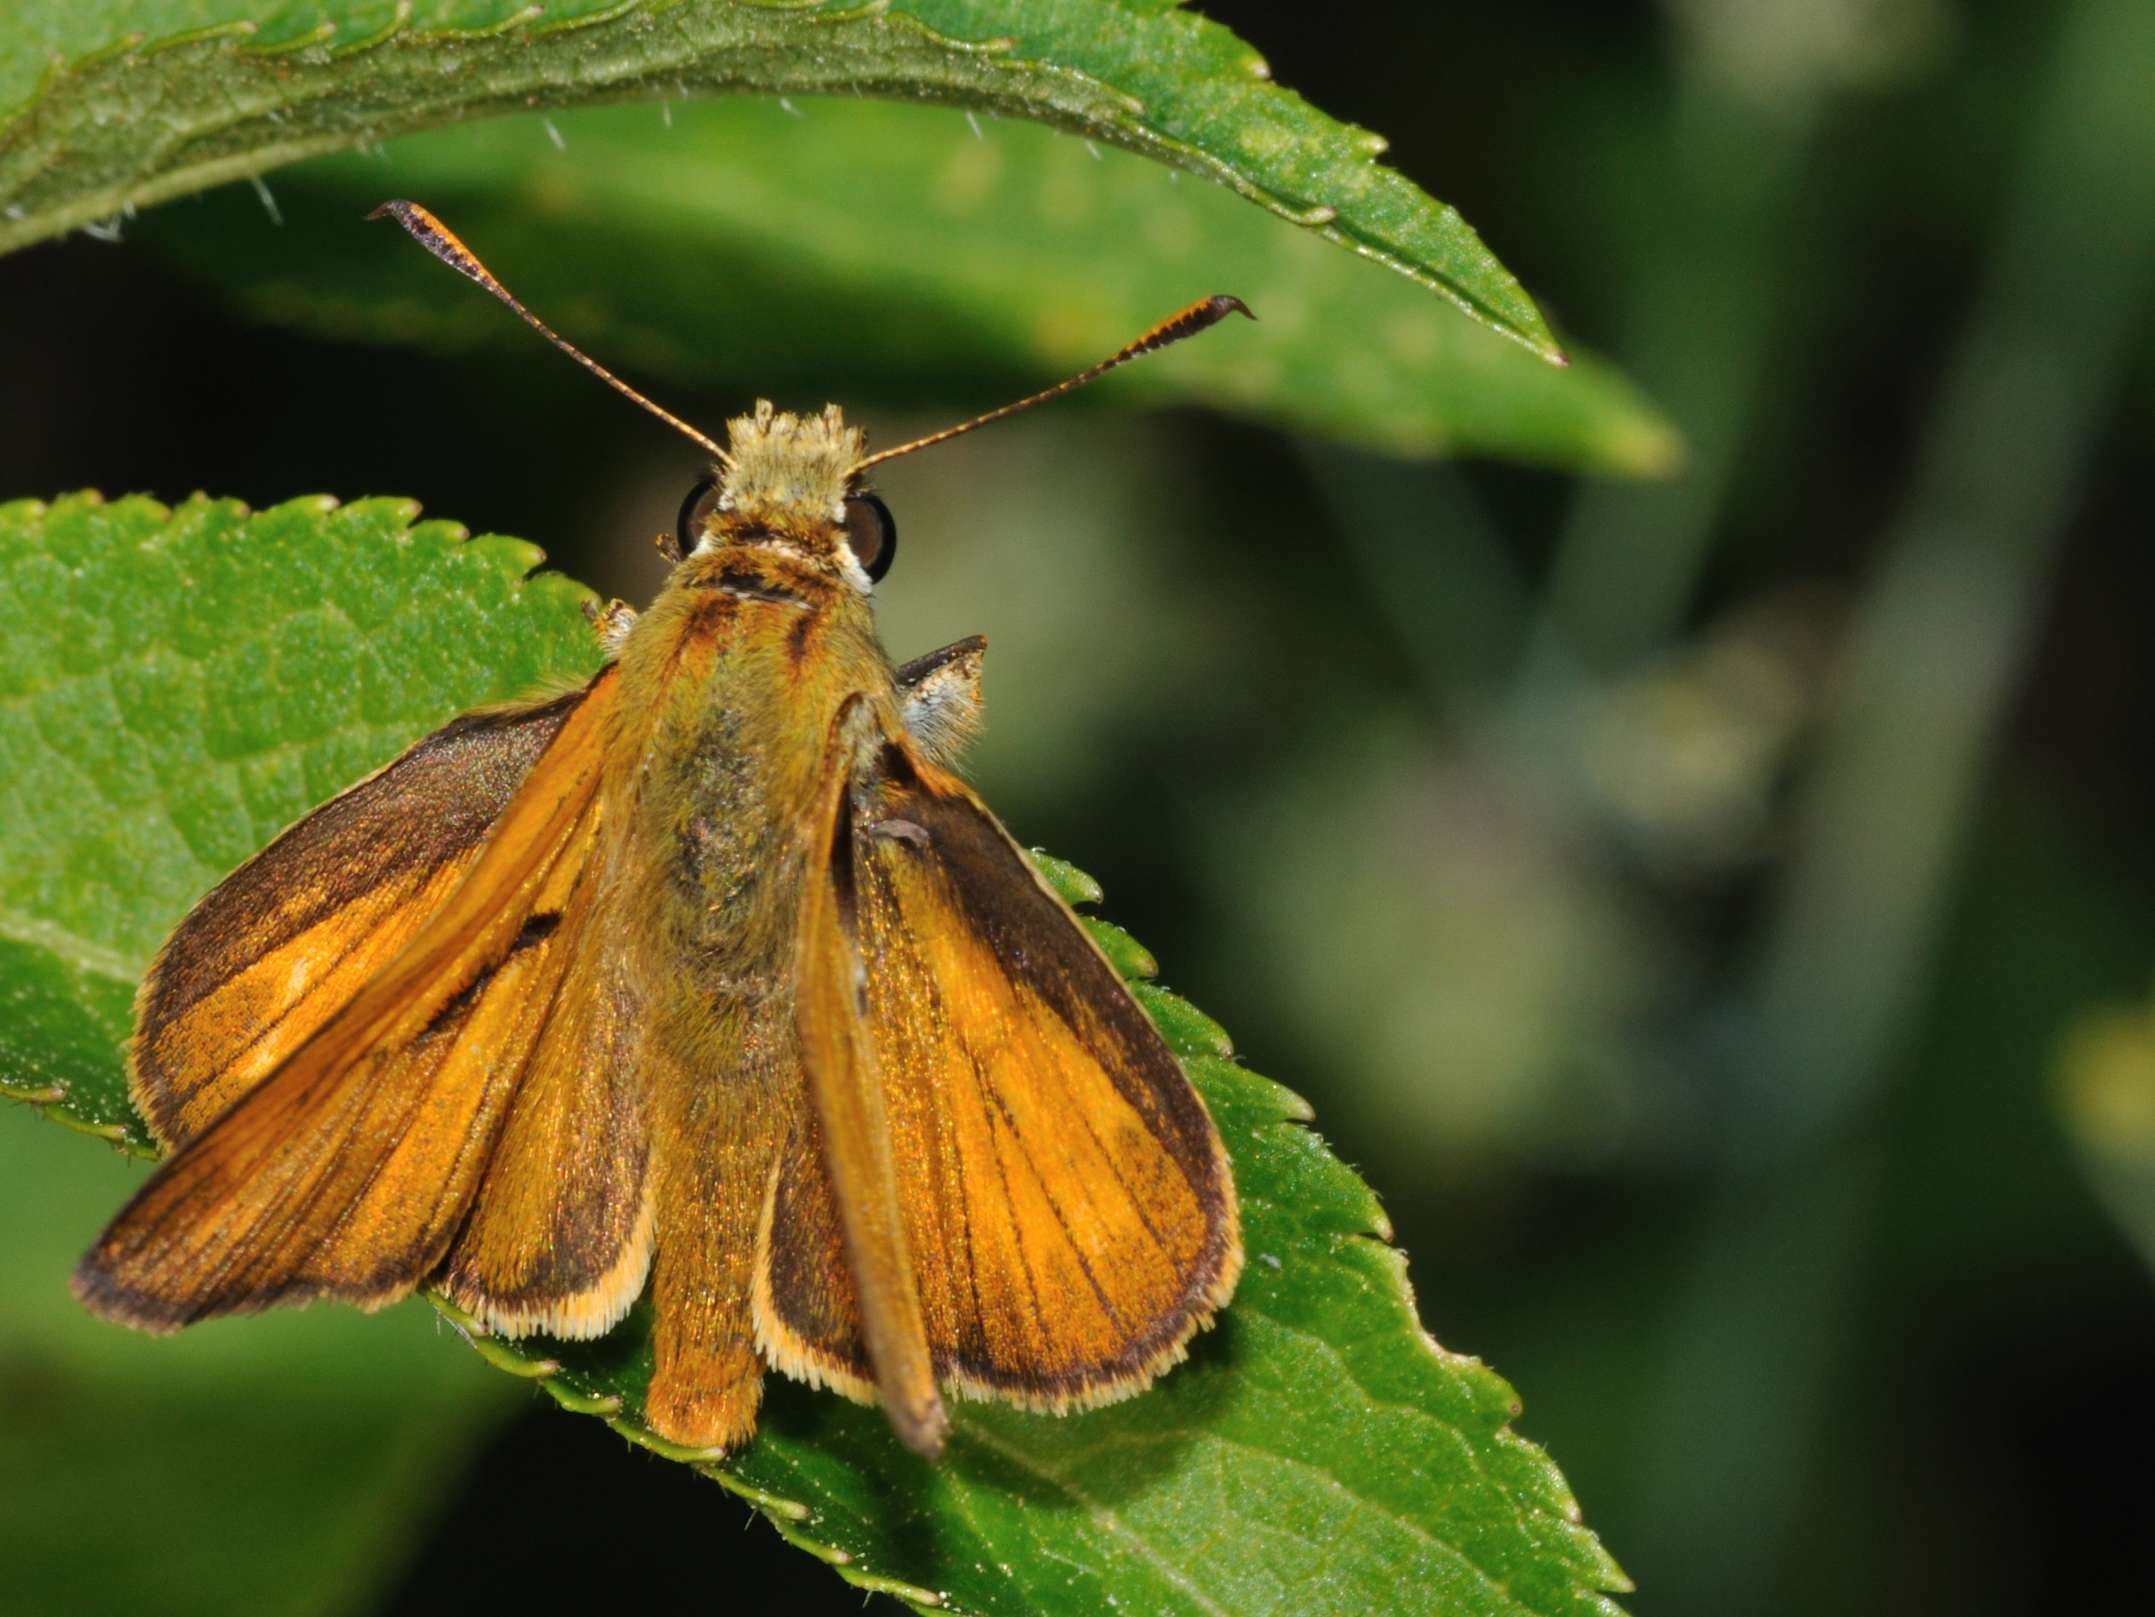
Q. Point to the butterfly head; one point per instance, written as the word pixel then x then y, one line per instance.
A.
pixel 781 467
pixel 792 483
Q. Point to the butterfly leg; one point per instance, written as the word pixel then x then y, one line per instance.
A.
pixel 941 697
pixel 611 623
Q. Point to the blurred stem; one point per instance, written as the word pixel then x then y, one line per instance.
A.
pixel 1721 266
pixel 1938 642
pixel 1434 566
pixel 1718 267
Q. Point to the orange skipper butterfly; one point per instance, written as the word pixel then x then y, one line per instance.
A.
pixel 709 975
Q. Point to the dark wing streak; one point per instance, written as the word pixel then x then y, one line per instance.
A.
pixel 1002 1173
pixel 421 1094
pixel 965 1204
pixel 1062 1221
pixel 286 1208
pixel 277 1021
pixel 1137 1202
pixel 975 1326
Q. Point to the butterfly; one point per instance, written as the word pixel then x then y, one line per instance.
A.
pixel 709 977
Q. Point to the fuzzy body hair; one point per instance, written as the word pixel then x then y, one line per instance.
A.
pixel 779 465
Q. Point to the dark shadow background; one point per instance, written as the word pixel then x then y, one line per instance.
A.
pixel 1802 1281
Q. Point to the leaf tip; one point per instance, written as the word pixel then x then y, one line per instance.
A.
pixel 645 1438
pixel 1072 885
pixel 771 1504
pixel 304 505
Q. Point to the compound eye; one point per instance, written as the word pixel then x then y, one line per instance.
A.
pixel 696 513
pixel 871 534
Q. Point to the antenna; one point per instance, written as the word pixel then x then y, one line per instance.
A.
pixel 1188 323
pixel 438 239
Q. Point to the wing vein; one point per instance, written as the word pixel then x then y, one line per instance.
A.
pixel 421 1094
pixel 1002 1174
pixel 1137 1202
pixel 1062 1221
pixel 964 1221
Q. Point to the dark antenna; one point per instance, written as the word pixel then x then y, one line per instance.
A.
pixel 438 239
pixel 1188 323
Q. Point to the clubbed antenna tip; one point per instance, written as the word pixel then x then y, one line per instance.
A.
pixel 438 239
pixel 1205 312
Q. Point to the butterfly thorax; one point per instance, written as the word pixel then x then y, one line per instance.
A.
pixel 732 682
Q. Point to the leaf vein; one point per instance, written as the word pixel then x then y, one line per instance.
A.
pixel 76 951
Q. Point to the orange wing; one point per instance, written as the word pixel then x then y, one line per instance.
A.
pixel 1067 1207
pixel 560 1233
pixel 346 1167
pixel 291 936
pixel 873 1297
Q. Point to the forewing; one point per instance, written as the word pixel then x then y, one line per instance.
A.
pixel 345 1170
pixel 1068 1207
pixel 858 1155
pixel 290 937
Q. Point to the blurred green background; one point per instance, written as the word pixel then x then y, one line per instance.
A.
pixel 1714 911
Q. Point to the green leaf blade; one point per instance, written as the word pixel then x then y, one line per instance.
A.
pixel 1207 99
pixel 1317 1453
pixel 179 686
pixel 660 249
pixel 240 89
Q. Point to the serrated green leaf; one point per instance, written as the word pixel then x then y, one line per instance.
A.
pixel 176 687
pixel 189 681
pixel 1128 956
pixel 1188 1030
pixel 909 253
pixel 241 86
pixel 1072 884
